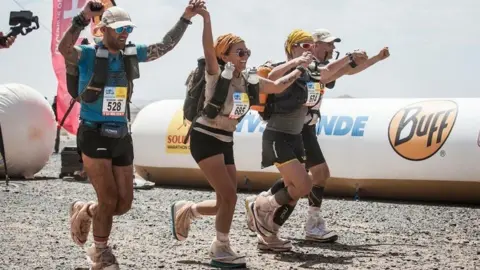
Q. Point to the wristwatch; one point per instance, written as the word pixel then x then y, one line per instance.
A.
pixel 187 21
pixel 302 69
pixel 352 61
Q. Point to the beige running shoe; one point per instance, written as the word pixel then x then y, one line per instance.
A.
pixel 273 243
pixel 248 210
pixel 101 258
pixel 224 257
pixel 80 222
pixel 249 213
pixel 263 213
pixel 181 215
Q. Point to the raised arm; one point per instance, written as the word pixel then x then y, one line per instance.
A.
pixel 67 47
pixel 211 63
pixel 171 39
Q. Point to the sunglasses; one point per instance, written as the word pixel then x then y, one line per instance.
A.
pixel 128 29
pixel 305 46
pixel 242 52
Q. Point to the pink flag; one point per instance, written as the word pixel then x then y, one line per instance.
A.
pixel 63 12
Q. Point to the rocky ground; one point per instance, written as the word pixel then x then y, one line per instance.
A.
pixel 373 235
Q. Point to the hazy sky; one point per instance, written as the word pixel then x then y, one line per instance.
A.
pixel 434 44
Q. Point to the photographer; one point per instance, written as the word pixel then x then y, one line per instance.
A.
pixel 10 41
pixel 21 22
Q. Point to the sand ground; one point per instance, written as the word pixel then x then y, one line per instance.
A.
pixel 34 232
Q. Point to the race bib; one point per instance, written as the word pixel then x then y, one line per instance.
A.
pixel 314 92
pixel 114 101
pixel 241 104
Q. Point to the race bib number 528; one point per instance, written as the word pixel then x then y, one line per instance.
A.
pixel 114 101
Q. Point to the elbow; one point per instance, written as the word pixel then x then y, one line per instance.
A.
pixel 276 88
pixel 62 50
pixel 325 79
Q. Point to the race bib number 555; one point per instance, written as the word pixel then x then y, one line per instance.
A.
pixel 114 101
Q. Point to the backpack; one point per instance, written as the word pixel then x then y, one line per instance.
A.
pixel 100 75
pixel 264 108
pixel 99 78
pixel 195 96
pixel 193 105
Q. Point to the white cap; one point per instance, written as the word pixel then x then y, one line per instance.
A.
pixel 324 35
pixel 115 17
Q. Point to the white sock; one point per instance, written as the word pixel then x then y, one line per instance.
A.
pixel 99 244
pixel 222 237
pixel 313 210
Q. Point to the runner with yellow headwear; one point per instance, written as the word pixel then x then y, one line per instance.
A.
pixel 352 63
pixel 282 143
pixel 229 93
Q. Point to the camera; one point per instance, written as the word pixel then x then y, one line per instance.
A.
pixel 21 22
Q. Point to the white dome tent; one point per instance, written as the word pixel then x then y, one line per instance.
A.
pixel 28 130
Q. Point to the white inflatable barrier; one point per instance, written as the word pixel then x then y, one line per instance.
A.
pixel 28 128
pixel 420 149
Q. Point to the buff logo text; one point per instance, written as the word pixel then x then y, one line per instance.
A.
pixel 417 131
pixel 423 126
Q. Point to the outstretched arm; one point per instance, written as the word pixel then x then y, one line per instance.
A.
pixel 275 87
pixel 280 70
pixel 382 55
pixel 362 65
pixel 337 69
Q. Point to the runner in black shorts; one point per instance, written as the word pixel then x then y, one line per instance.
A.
pixel 103 137
pixel 211 138
pixel 315 227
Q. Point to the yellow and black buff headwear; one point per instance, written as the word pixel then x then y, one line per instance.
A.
pixel 294 37
pixel 224 43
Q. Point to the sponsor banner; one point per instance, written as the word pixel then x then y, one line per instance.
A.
pixel 329 125
pixel 176 133
pixel 417 131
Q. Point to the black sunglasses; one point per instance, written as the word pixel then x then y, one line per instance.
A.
pixel 242 52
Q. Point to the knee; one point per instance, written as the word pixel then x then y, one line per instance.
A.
pixel 107 204
pixel 124 205
pixel 229 198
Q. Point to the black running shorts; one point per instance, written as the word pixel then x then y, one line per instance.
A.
pixel 93 145
pixel 279 148
pixel 203 146
pixel 312 148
